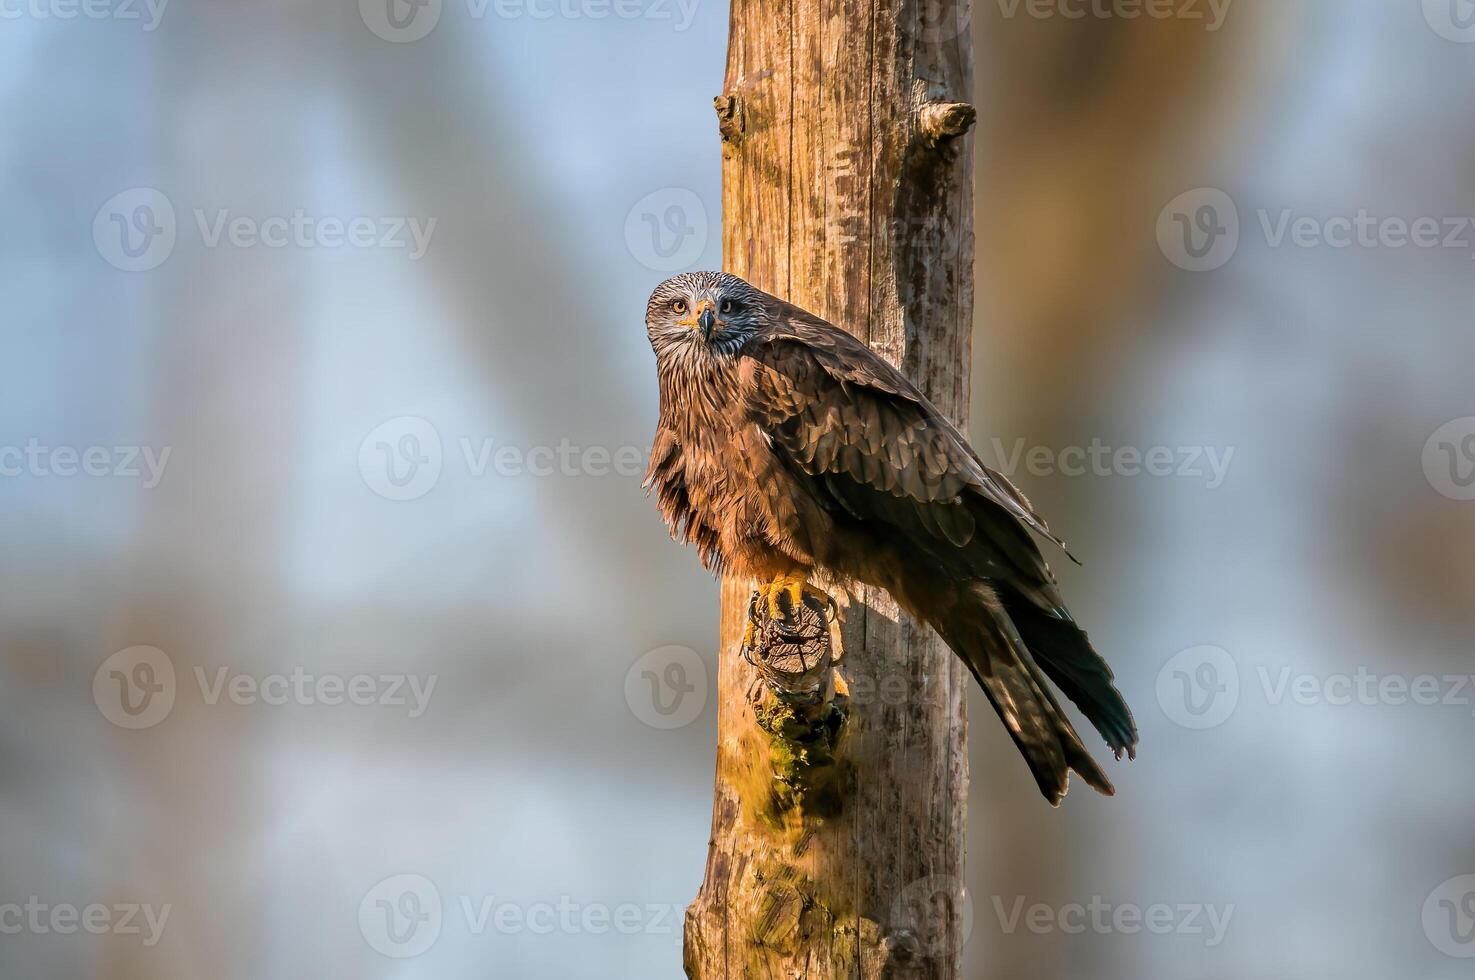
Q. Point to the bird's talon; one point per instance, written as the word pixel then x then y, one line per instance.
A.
pixel 785 595
pixel 774 593
pixel 794 592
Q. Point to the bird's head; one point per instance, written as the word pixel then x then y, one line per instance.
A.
pixel 710 311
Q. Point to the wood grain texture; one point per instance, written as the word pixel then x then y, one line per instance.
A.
pixel 847 190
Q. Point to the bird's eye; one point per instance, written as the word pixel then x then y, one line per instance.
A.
pixel 727 307
pixel 678 306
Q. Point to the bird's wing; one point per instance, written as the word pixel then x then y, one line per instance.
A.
pixel 874 447
pixel 840 412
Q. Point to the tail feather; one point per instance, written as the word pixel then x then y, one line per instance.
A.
pixel 986 640
pixel 1064 652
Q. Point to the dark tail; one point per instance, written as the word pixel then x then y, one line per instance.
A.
pixel 1002 656
pixel 1063 650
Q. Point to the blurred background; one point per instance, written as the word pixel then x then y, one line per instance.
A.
pixel 338 640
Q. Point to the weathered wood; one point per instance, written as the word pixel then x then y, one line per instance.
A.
pixel 837 829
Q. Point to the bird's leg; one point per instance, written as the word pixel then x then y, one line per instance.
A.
pixel 789 586
pixel 792 586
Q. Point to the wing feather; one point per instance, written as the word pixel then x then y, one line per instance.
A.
pixel 876 449
pixel 824 366
pixel 837 410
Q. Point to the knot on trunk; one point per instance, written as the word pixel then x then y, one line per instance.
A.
pixel 729 117
pixel 940 121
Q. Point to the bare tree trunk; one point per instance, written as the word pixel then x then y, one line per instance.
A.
pixel 837 828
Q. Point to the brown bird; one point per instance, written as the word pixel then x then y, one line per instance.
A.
pixel 787 450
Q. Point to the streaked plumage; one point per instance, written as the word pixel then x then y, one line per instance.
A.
pixel 785 448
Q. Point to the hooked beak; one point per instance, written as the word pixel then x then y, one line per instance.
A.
pixel 707 318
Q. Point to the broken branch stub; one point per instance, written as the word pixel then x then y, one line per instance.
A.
pixel 798 701
pixel 939 121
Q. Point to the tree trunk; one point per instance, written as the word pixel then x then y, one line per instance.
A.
pixel 837 827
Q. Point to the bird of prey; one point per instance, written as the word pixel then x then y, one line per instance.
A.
pixel 786 450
